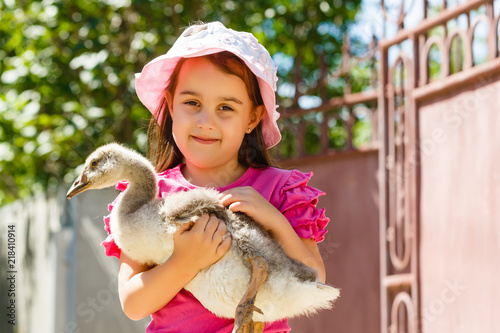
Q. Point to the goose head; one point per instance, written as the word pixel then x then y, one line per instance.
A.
pixel 103 168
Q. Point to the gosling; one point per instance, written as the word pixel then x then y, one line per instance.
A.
pixel 254 275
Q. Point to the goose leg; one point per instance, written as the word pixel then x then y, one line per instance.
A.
pixel 243 322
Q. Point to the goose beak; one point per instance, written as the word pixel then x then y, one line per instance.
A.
pixel 80 185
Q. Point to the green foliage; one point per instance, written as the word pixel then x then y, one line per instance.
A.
pixel 362 130
pixel 337 135
pixel 288 144
pixel 67 70
pixel 312 138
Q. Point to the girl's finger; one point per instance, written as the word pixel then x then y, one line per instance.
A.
pixel 220 232
pixel 237 191
pixel 236 206
pixel 201 222
pixel 226 198
pixel 224 246
pixel 212 225
pixel 184 227
pixel 231 199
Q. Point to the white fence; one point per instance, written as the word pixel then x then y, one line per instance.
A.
pixel 55 275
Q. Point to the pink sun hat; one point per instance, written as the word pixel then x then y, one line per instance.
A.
pixel 207 39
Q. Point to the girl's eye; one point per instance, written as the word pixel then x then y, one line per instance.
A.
pixel 226 108
pixel 192 103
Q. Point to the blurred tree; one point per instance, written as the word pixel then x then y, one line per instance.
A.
pixel 67 71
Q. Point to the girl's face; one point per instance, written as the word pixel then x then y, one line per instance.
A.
pixel 211 112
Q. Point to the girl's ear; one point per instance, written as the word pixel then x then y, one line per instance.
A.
pixel 256 116
pixel 169 98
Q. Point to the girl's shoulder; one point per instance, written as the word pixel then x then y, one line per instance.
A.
pixel 281 179
pixel 290 193
pixel 280 186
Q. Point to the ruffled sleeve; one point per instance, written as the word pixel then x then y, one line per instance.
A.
pixel 298 205
pixel 110 247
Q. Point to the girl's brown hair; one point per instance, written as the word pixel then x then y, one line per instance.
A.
pixel 163 150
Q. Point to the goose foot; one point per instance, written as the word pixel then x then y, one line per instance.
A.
pixel 243 322
pixel 258 327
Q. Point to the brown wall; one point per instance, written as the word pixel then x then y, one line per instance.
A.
pixel 351 248
pixel 460 211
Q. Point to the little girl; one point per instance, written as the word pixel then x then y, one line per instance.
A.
pixel 213 101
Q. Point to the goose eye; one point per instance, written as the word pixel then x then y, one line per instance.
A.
pixel 93 164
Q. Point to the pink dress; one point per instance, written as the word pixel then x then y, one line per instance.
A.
pixel 284 189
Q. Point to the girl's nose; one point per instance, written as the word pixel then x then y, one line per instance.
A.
pixel 205 120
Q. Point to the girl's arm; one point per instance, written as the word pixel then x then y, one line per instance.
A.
pixel 194 249
pixel 247 200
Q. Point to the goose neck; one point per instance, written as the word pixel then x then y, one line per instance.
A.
pixel 142 187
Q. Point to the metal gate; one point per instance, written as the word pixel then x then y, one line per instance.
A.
pixel 433 63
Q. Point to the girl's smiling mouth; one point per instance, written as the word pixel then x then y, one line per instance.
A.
pixel 205 141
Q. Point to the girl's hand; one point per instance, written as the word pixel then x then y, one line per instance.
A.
pixel 202 243
pixel 247 200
